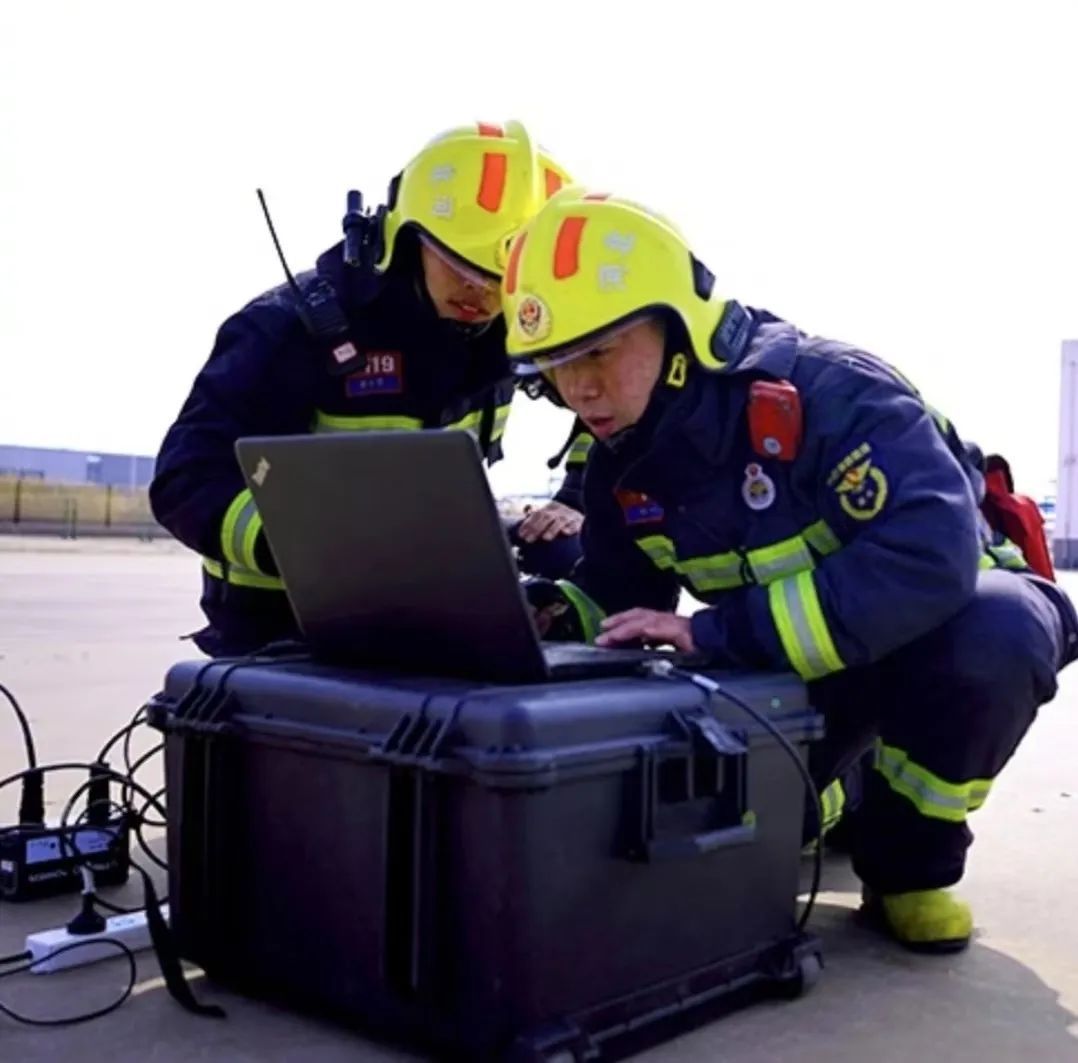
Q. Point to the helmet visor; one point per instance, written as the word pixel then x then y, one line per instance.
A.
pixel 544 362
pixel 469 272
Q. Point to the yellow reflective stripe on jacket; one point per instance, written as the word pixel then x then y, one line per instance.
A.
pixel 798 616
pixel 717 572
pixel 332 422
pixel 501 419
pixel 832 802
pixel 588 611
pixel 1006 555
pixel 821 538
pixel 933 797
pixel 705 573
pixel 769 563
pixel 942 423
pixel 659 549
pixel 472 421
pixel 242 577
pixel 579 449
pixel 239 531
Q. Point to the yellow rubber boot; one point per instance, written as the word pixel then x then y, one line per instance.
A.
pixel 924 920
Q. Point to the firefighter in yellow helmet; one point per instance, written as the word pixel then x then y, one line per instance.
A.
pixel 398 327
pixel 800 489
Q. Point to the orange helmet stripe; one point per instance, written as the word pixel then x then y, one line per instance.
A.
pixel 513 267
pixel 492 183
pixel 553 182
pixel 567 247
pixel 486 129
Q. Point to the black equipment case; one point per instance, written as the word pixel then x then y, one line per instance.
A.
pixel 488 872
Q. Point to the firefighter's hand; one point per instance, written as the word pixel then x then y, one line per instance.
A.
pixel 548 522
pixel 654 628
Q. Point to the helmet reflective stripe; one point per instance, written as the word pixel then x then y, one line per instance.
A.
pixel 469 190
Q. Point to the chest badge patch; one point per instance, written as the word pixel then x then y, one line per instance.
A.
pixel 383 374
pixel 638 508
pixel 758 490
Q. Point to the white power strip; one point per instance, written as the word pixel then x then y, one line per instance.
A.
pixel 130 930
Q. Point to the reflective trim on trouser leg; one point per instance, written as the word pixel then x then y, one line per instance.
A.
pixel 931 796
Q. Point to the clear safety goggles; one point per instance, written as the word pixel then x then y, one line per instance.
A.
pixel 465 270
pixel 532 365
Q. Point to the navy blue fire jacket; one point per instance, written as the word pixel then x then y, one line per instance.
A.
pixel 266 375
pixel 867 539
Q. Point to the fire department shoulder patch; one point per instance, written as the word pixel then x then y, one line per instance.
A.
pixel 860 484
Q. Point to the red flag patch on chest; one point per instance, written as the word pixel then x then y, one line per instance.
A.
pixel 638 508
pixel 383 374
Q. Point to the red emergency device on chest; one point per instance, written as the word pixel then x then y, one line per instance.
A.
pixel 775 424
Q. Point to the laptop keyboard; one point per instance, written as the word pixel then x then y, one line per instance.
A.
pixel 557 653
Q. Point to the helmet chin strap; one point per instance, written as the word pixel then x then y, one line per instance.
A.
pixel 468 330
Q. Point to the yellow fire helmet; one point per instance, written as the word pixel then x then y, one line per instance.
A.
pixel 588 263
pixel 469 190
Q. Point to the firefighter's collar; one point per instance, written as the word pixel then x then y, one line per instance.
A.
pixel 772 348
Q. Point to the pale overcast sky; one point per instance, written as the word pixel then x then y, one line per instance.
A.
pixel 903 176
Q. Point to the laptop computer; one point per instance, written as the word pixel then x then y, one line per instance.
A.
pixel 394 557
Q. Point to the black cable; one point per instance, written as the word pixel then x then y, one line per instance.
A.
pixel 156 824
pixel 712 687
pixel 154 858
pixel 138 721
pixel 101 771
pixel 129 788
pixel 24 723
pixel 100 901
pixel 151 800
pixel 121 734
pixel 88 1016
pixel 133 770
pixel 139 818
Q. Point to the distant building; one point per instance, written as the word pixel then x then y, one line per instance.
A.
pixel 1065 510
pixel 76 466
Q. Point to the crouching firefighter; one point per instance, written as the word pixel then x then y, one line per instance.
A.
pixel 804 492
pixel 398 327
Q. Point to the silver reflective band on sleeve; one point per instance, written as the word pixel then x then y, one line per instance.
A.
pixel 239 531
pixel 802 629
